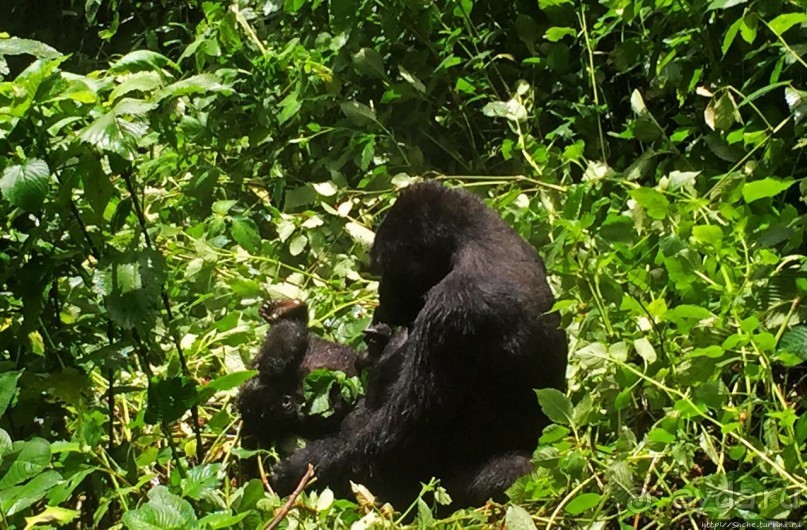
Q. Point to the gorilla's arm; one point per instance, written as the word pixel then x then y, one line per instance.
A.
pixel 443 351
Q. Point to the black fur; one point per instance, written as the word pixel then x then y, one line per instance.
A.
pixel 272 404
pixel 454 399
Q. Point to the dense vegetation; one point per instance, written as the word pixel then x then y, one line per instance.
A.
pixel 166 166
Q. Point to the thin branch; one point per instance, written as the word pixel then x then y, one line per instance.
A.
pixel 309 474
pixel 169 315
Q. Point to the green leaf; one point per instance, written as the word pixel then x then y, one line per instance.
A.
pixel 292 6
pixel 618 229
pixel 786 21
pixel 724 4
pixel 767 187
pixel 302 196
pixel 170 398
pixel 686 316
pixel 26 185
pixel 660 436
pixel 410 78
pixel 114 134
pixel 8 384
pixel 711 393
pixel 133 107
pixel 201 480
pixel 654 202
pixel 298 244
pixel 131 285
pixel 731 33
pixel 140 60
pixel 16 46
pixel 224 383
pixel 16 499
pixel 555 405
pixel 722 113
pixel 51 514
pixel 582 502
pixel 245 232
pixel 143 82
pixel 425 518
pixel 794 341
pixel 217 520
pixel 555 33
pixel 517 518
pixel 200 83
pixel 5 444
pixel 30 458
pixel 711 234
pixel 544 4
pixel 163 511
pixel 748 29
pixel 370 63
pixel 511 110
pixel 223 207
pixel 289 107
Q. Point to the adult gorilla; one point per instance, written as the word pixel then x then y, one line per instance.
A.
pixel 474 297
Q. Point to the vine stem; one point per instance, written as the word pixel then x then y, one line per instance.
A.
pixel 169 315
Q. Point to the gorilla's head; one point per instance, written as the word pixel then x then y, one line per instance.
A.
pixel 416 244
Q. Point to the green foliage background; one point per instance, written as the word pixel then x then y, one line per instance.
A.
pixel 165 166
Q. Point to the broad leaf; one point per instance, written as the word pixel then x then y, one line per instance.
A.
pixel 163 511
pixel 169 399
pixel 517 518
pixel 30 457
pixel 140 60
pixel 555 405
pixel 26 185
pixel 767 187
pixel 8 384
pixel 16 46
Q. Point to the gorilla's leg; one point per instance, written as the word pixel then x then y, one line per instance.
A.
pixel 474 485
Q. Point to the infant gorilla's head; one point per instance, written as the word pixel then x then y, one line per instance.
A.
pixel 273 403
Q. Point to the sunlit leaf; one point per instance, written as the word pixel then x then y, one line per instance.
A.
pixel 554 34
pixel 26 185
pixel 786 21
pixel 360 234
pixel 197 84
pixel 28 459
pixel 245 232
pixel 140 60
pixel 654 202
pixel 163 511
pixel 201 480
pixel 645 350
pixel 764 188
pixel 17 46
pixel 555 405
pixel 18 498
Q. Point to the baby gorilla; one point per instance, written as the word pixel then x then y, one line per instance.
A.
pixel 273 404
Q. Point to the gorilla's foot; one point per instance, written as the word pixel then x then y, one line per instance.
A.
pixel 288 309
